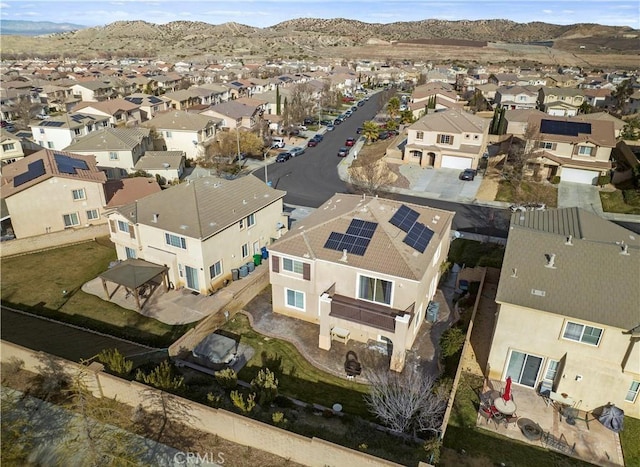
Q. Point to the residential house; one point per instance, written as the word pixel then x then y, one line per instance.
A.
pixel 185 131
pixel 166 166
pixel 117 150
pixel 182 99
pixel 569 282
pixel 10 147
pixel 563 102
pixel 93 91
pixel 168 83
pixel 518 120
pixel 599 98
pixel 50 191
pixel 442 94
pixel 572 148
pixel 452 139
pixel 121 112
pixel 128 190
pixel 618 124
pixel 149 105
pixel 56 98
pixel 363 269
pixel 59 132
pixel 503 79
pixel 517 97
pixel 202 230
pixel 234 114
pixel 217 92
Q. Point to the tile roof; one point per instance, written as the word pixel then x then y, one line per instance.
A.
pixel 386 253
pixel 234 109
pixel 110 139
pixel 451 121
pixel 202 207
pixel 128 190
pixel 591 279
pixel 179 120
pixel 155 160
pixel 602 131
pixel 111 106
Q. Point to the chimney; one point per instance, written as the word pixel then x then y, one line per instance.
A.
pixel 551 259
pixel 569 238
pixel 155 218
pixel 344 255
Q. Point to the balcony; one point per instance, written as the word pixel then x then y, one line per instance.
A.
pixel 367 313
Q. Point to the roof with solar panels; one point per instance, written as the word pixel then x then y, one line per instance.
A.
pixel 46 164
pixel 372 233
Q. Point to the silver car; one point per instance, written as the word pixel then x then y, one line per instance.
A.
pixel 297 151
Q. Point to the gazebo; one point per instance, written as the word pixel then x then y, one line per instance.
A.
pixel 138 277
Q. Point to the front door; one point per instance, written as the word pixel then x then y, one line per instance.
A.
pixel 192 278
pixel 524 368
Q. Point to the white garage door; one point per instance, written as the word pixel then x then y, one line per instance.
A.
pixel 453 162
pixel 579 176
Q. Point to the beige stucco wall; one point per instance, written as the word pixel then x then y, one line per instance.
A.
pixel 39 209
pixel 539 333
pixel 473 148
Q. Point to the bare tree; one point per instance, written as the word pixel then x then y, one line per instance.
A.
pixel 406 402
pixel 520 152
pixel 301 102
pixel 25 110
pixel 369 175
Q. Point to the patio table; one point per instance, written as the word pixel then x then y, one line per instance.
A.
pixel 505 407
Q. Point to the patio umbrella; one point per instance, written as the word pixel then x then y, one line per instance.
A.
pixel 613 418
pixel 506 395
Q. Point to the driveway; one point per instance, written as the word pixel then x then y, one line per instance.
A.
pixel 579 195
pixel 440 183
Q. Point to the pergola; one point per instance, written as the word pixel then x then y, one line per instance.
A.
pixel 135 275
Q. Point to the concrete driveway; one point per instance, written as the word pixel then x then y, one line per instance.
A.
pixel 441 183
pixel 579 195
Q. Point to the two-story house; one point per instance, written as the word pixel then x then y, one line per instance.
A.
pixel 563 102
pixel 50 191
pixel 234 115
pixel 10 147
pixel 452 139
pixel 568 309
pixel 120 112
pixel 182 99
pixel 149 105
pixel 60 131
pixel 185 131
pixel 202 229
pixel 517 97
pixel 93 91
pixel 363 269
pixel 117 150
pixel 575 149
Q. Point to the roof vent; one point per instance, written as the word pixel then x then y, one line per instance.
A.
pixel 155 218
pixel 538 293
pixel 344 255
pixel 244 201
pixel 551 260
pixel 166 165
pixel 514 272
pixel 435 219
pixel 569 240
pixel 625 249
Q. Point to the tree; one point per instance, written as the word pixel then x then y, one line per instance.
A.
pixel 406 402
pixel 301 101
pixel 370 130
pixel 369 176
pixel 278 101
pixel 266 386
pixel 451 341
pixel 406 116
pixel 227 145
pixel 622 93
pixel 393 107
pixel 25 110
pixel 631 130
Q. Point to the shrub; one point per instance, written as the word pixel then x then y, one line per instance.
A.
pixel 266 385
pixel 555 179
pixel 239 402
pixel 162 377
pixel 115 361
pixel 451 341
pixel 227 378
pixel 215 400
pixel 631 197
pixel 604 180
pixel 278 418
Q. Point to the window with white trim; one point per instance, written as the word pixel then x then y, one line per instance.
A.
pixel 77 131
pixel 251 220
pixel 445 139
pixel 93 214
pixel 175 240
pixel 215 269
pixel 71 220
pixel 245 250
pixel 123 226
pixel 130 252
pixel 167 134
pixel 585 150
pixel 632 393
pixel 50 145
pixel 552 370
pixel 113 156
pixel 582 333
pixel 295 299
pixel 419 134
pixel 79 194
pixel 375 290
pixel 8 147
pixel 292 265
pixel 545 145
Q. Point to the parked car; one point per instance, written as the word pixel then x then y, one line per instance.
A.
pixel 361 103
pixel 350 142
pixel 283 156
pixel 277 142
pixel 318 137
pixel 359 130
pixel 338 121
pixel 325 122
pixel 348 113
pixel 297 151
pixel 354 108
pixel 312 142
pixel 330 127
pixel 383 135
pixel 343 151
pixel 468 174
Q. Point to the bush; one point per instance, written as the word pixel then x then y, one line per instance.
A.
pixel 115 361
pixel 227 378
pixel 451 341
pixel 555 179
pixel 266 385
pixel 239 402
pixel 278 418
pixel 162 377
pixel 604 180
pixel 215 400
pixel 631 197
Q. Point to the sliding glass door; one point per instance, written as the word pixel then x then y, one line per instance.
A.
pixel 524 368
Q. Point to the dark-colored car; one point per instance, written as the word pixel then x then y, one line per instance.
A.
pixel 283 156
pixel 325 122
pixel 338 121
pixel 468 174
pixel 383 135
pixel 350 142
pixel 343 151
pixel 359 130
pixel 312 142
pixel 318 137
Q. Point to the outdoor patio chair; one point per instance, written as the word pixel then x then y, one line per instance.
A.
pixel 488 415
pixel 509 419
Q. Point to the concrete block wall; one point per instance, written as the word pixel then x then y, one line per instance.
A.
pixel 22 246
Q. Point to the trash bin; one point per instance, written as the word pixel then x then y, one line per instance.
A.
pixel 235 274
pixel 250 266
pixel 433 309
pixel 265 252
pixel 244 271
pixel 257 259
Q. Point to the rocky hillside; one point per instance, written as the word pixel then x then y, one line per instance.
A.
pixel 301 38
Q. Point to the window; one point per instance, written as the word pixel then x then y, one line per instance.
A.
pixel 78 194
pixel 71 219
pixel 92 214
pixel 241 223
pixel 130 252
pixel 544 145
pixel 123 226
pixel 251 220
pixel 174 240
pixel 295 299
pixel 445 139
pixel 77 131
pixel 552 369
pixel 215 269
pixel 436 256
pixel 245 250
pixel 419 134
pixel 524 368
pixel 50 145
pixel 113 156
pixel 168 134
pixel 8 147
pixel 581 333
pixel 375 290
pixel 632 394
pixel 42 131
pixel 292 265
pixel 585 150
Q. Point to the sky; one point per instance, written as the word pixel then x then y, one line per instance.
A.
pixel 263 13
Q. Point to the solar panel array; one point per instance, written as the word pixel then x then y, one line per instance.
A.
pixel 50 123
pixel 134 100
pixel 69 165
pixel 404 218
pixel 418 234
pixel 78 118
pixel 555 127
pixel 154 100
pixel 356 240
pixel 34 170
pixel 237 83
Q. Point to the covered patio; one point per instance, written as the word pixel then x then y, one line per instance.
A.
pixel 138 277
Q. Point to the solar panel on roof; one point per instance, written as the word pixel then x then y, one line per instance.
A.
pixel 404 218
pixel 50 123
pixel 155 100
pixel 418 237
pixel 356 240
pixel 236 83
pixel 69 165
pixel 134 100
pixel 34 170
pixel 362 228
pixel 557 127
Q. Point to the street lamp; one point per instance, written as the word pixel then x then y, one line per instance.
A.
pixel 264 158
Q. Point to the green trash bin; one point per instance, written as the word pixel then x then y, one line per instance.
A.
pixel 257 259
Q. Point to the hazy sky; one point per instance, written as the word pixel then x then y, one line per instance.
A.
pixel 262 13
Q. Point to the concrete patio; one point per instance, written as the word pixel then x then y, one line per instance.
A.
pixel 593 442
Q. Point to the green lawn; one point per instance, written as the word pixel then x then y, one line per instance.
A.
pixel 626 202
pixel 472 253
pixel 35 283
pixel 630 440
pixel 527 192
pixel 304 382
pixel 462 434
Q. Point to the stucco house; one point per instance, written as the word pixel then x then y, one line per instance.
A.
pixel 234 114
pixel 149 105
pixel 167 165
pixel 94 91
pixel 563 102
pixel 120 112
pixel 60 131
pixel 569 282
pixel 201 230
pixel 452 139
pixel 363 269
pixel 517 97
pixel 575 149
pixel 50 191
pixel 10 147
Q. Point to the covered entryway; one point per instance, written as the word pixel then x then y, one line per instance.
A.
pixel 454 162
pixel 579 176
pixel 138 277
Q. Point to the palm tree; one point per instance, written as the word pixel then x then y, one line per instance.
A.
pixel 370 130
pixel 393 107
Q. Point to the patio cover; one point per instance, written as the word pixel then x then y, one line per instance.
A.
pixel 216 349
pixel 133 274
